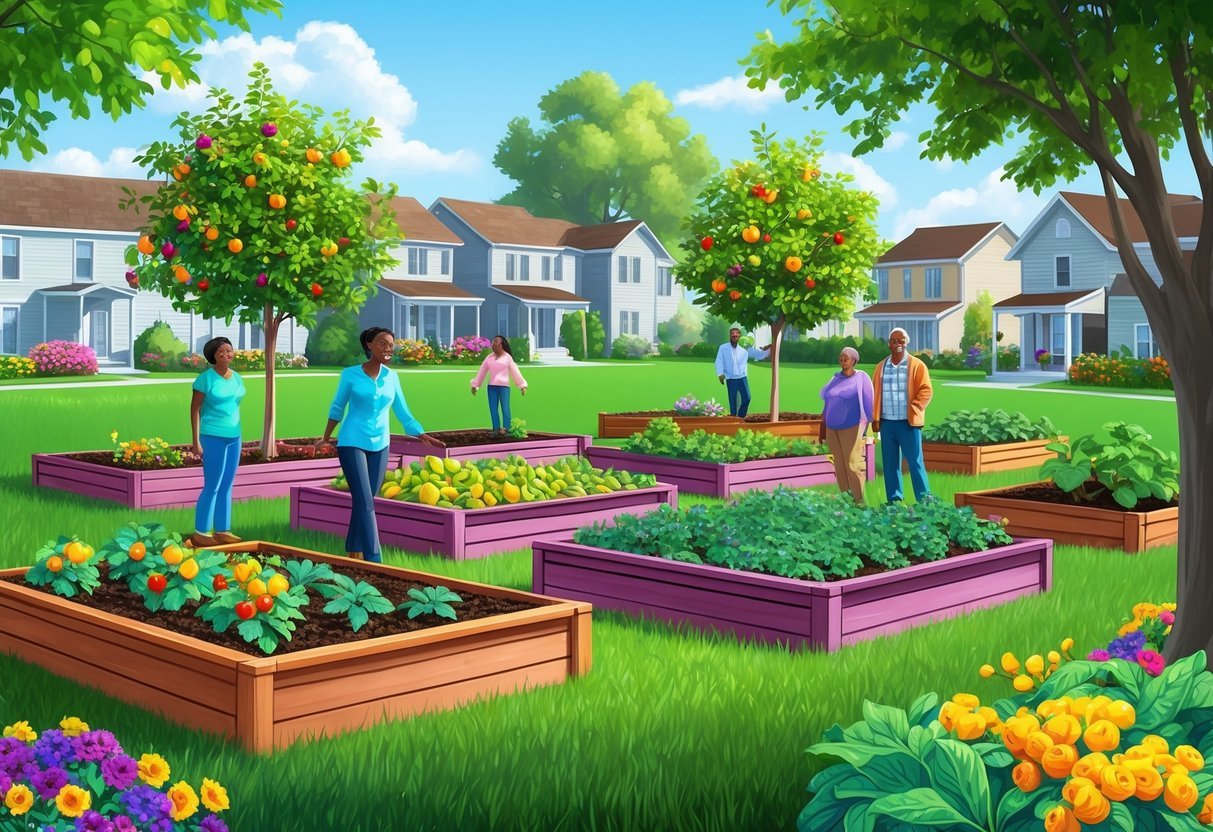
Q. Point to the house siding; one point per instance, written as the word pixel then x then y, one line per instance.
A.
pixel 987 269
pixel 1124 313
pixel 1092 265
pixel 470 272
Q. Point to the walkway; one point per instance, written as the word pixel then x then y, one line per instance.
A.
pixel 1028 388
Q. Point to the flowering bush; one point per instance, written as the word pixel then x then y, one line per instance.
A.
pixel 978 357
pixel 16 366
pixel 79 779
pixel 1142 639
pixel 688 405
pixel 413 352
pixel 1121 371
pixel 194 361
pixel 154 362
pixel 63 358
pixel 1041 357
pixel 468 348
pixel 145 453
pixel 245 360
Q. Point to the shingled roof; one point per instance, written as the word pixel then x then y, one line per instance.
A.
pixel 943 242
pixel 1186 211
pixel 510 223
pixel 55 200
pixel 419 224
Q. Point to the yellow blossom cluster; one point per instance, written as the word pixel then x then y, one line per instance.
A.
pixel 1033 671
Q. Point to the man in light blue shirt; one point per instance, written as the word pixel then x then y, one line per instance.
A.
pixel 731 361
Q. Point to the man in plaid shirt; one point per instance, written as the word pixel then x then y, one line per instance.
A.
pixel 901 391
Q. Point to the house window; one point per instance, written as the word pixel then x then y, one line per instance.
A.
pixel 623 270
pixel 635 323
pixel 547 268
pixel 559 267
pixel 629 323
pixel 1143 338
pixel 934 281
pixel 1061 270
pixel 907 283
pixel 1062 229
pixel 418 261
pixel 8 329
pixel 635 269
pixel 84 261
pixel 509 267
pixel 10 256
pixel 665 282
pixel 446 263
pixel 503 320
pixel 524 273
pixel 923 333
pixel 882 284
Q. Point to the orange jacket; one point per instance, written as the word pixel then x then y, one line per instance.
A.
pixel 919 392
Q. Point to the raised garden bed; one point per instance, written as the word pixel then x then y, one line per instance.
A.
pixel 794 613
pixel 1041 509
pixel 267 703
pixel 722 479
pixel 972 460
pixel 95 474
pixel 623 425
pixel 462 534
pixel 538 447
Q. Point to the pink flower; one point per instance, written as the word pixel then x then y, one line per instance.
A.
pixel 1151 661
pixel 1166 617
pixel 1098 656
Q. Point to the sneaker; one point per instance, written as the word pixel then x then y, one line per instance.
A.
pixel 228 537
pixel 201 541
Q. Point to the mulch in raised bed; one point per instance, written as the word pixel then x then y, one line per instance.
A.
pixel 468 438
pixel 319 629
pixel 250 454
pixel 1050 493
pixel 784 415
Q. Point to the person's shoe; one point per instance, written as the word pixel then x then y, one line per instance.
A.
pixel 354 555
pixel 201 541
pixel 227 537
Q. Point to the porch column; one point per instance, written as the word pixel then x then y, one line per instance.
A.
pixel 80 325
pixel 1069 350
pixel 530 328
pixel 477 320
pixel 994 344
pixel 44 318
pixel 130 331
pixel 452 308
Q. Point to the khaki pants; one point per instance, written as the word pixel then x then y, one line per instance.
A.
pixel 850 464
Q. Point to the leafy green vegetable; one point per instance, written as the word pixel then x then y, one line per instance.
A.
pixel 987 427
pixel 357 599
pixel 1127 465
pixel 662 437
pixel 432 600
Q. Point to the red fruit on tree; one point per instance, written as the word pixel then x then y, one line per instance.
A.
pixel 810 283
pixel 245 610
pixel 706 242
pixel 291 223
pixel 317 290
pixel 203 285
pixel 265 603
pixel 735 295
pixel 343 241
pixel 156 583
pixel 838 238
pixel 766 238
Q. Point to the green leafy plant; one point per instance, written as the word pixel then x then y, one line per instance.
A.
pixel 595 334
pixel 265 627
pixel 987 427
pixel 357 599
pixel 127 552
pixel 67 565
pixel 308 575
pixel 145 453
pixel 662 437
pixel 170 584
pixel 430 600
pixel 517 429
pixel 1126 464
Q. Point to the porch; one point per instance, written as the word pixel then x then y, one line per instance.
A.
pixel 425 310
pixel 84 313
pixel 542 309
pixel 920 320
pixel 1064 324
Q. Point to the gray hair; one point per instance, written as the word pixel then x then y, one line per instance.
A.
pixel 897 329
pixel 851 353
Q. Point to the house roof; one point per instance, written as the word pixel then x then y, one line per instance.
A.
pixel 419 224
pixel 525 293
pixel 943 242
pixel 1121 287
pixel 910 307
pixel 427 289
pixel 606 235
pixel 85 289
pixel 55 200
pixel 1043 299
pixel 1186 211
pixel 510 223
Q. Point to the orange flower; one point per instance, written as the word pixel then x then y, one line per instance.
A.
pixel 1026 776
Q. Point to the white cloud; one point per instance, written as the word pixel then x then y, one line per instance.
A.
pixel 730 92
pixel 866 177
pixel 81 162
pixel 895 141
pixel 330 65
pixel 992 200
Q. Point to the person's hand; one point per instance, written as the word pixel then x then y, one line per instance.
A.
pixel 320 443
pixel 473 391
pixel 431 440
pixel 721 379
pixel 197 449
pixel 523 391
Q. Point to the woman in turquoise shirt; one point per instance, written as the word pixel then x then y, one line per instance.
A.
pixel 215 418
pixel 369 389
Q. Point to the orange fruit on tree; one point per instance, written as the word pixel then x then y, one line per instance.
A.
pixel 250 181
pixel 54 563
pixel 770 196
pixel 136 551
pixel 804 214
pixel 751 234
pixel 172 554
pixel 145 245
pixel 241 572
pixel 189 569
pixel 340 158
pixel 89 551
pixel 260 158
pixel 734 295
pixel 313 155
pixel 181 171
pixel 235 246
pixel 793 263
pixel 277 201
pixel 181 273
pixel 180 212
pixel 212 233
pixel 719 285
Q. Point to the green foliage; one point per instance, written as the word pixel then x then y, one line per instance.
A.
pixel 334 341
pixel 159 339
pixel 570 334
pixel 684 327
pixel 116 552
pixel 180 589
pixel 308 575
pixel 812 535
pixel 987 427
pixel 96 52
pixel 663 438
pixel 599 155
pixel 715 330
pixel 1126 464
pixel 265 629
pixel 517 429
pixel 631 347
pixel 70 578
pixel 357 599
pixel 431 600
pixel 978 321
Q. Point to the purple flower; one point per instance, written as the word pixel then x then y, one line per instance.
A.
pixel 1098 656
pixel 15 757
pixel 123 824
pixel 54 749
pixel 119 772
pixel 92 821
pixel 6 783
pixel 92 746
pixel 1128 646
pixel 146 804
pixel 49 781
pixel 202 142
pixel 212 823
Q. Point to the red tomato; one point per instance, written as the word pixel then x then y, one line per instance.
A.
pixel 245 610
pixel 219 583
pixel 157 583
pixel 265 603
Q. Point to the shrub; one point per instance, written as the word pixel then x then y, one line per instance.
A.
pixel 926 357
pixel 987 427
pixel 145 453
pixel 978 320
pixel 1121 371
pixel 194 362
pixel 159 340
pixel 63 358
pixel 978 357
pixel 950 360
pixel 334 341
pixel 16 366
pixel 665 350
pixel 154 362
pixel 631 347
pixel 595 335
pixel 826 350
pixel 468 349
pixel 1127 465
pixel 522 349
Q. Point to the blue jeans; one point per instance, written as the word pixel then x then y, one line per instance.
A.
pixel 220 457
pixel 364 471
pixel 739 389
pixel 899 439
pixel 499 397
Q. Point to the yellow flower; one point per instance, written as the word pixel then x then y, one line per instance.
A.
pixel 967 700
pixel 1117 783
pixel 1070 790
pixel 1023 683
pixel 987 670
pixel 19 799
pixel 1169 607
pixel 1090 805
pixel 73 801
pixel 1144 610
pixel 1037 744
pixel 1059 761
pixel 1189 757
pixel 1061 819
pixel 1010 664
pixel 1067 644
pixel 113 436
pixel 970 726
pixel 1063 729
pixel 153 770
pixel 214 796
pixel 1035 664
pixel 1180 793
pixel 1090 766
pixel 1054 658
pixel 1132 627
pixel 184 800
pixel 1101 735
pixel 1122 715
pixel 72 727
pixel 1156 744
pixel 1167 762
pixel 1051 708
pixel 1026 776
pixel 21 731
pixel 1149 783
pixel 1078 707
pixel 1206 811
pixel 989 715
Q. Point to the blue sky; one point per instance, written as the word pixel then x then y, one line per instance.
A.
pixel 445 79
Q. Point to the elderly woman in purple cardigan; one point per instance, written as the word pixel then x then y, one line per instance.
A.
pixel 844 422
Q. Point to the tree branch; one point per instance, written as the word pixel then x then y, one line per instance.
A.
pixel 1144 286
pixel 10 11
pixel 1184 94
pixel 1084 78
pixel 65 30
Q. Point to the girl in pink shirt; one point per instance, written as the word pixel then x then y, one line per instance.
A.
pixel 499 366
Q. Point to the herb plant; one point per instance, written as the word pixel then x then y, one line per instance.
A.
pixel 431 600
pixel 987 427
pixel 1126 465
pixel 662 437
pixel 517 429
pixel 357 599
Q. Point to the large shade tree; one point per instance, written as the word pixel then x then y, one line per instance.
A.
pixel 1120 86
pixel 601 155
pixel 257 219
pixel 93 52
pixel 776 242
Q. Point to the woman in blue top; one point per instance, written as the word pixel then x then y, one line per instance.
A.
pixel 370 390
pixel 215 418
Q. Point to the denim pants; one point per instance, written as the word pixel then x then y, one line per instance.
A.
pixel 739 389
pixel 898 438
pixel 220 457
pixel 499 397
pixel 364 472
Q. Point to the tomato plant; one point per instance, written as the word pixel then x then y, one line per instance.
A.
pixel 64 575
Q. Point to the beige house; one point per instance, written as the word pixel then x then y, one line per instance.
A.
pixel 927 280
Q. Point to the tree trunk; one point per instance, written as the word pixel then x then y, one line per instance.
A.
pixel 776 338
pixel 269 448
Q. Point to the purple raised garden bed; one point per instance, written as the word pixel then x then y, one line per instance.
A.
pixel 174 486
pixel 538 448
pixel 461 534
pixel 722 479
pixel 794 613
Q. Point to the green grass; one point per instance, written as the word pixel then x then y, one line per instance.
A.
pixel 1091 388
pixel 22 382
pixel 670 730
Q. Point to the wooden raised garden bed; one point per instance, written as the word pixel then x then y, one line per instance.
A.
pixel 172 487
pixel 462 534
pixel 269 702
pixel 972 460
pixel 623 425
pixel 1078 525
pixel 721 479
pixel 793 613
pixel 538 448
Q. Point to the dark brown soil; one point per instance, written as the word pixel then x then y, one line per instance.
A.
pixel 468 438
pixel 870 568
pixel 784 416
pixel 1050 493
pixel 319 629
pixel 250 454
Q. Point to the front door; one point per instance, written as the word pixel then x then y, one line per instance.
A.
pixel 99 336
pixel 545 328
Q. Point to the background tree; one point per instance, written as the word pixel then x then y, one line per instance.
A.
pixel 978 320
pixel 595 335
pixel 86 51
pixel 715 329
pixel 600 156
pixel 776 242
pixel 257 219
pixel 1117 85
pixel 684 327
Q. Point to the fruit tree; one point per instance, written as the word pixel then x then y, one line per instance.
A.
pixel 257 219
pixel 778 242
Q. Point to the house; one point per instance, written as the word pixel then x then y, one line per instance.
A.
pixel 927 281
pixel 62 272
pixel 532 270
pixel 1074 297
pixel 418 299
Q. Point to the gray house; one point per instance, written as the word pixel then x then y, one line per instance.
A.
pixel 1074 297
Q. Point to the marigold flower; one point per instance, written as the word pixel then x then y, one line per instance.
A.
pixel 1061 819
pixel 1180 792
pixel 1117 783
pixel 1145 610
pixel 72 726
pixel 967 700
pixel 1155 743
pixel 1189 757
pixel 1023 683
pixel 184 800
pixel 214 796
pixel 1101 735
pixel 153 770
pixel 1050 708
pixel 1149 783
pixel 1026 775
pixel 1121 714
pixel 1037 744
pixel 1206 810
pixel 1059 761
pixel 19 799
pixel 1090 805
pixel 1167 762
pixel 1090 765
pixel 1063 729
pixel 970 726
pixel 73 801
pixel 1010 664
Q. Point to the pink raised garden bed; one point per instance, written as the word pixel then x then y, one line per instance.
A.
pixel 461 534
pixel 537 448
pixel 793 613
pixel 722 479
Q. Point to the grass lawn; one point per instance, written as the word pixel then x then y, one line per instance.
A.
pixel 22 382
pixel 670 730
pixel 1090 388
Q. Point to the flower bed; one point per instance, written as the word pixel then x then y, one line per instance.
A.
pixel 1142 639
pixel 973 443
pixel 536 447
pixel 829 576
pixel 1124 370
